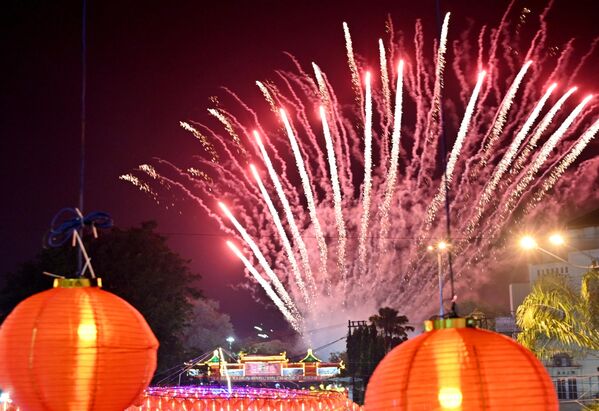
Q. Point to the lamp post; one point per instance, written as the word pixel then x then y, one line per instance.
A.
pixel 230 340
pixel 440 248
pixel 528 242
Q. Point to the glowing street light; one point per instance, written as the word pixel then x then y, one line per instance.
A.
pixel 528 243
pixel 230 340
pixel 440 248
pixel 557 239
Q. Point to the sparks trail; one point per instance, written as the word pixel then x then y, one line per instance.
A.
pixel 346 176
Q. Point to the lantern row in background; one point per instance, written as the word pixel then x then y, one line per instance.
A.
pixel 205 398
pixel 456 368
pixel 76 347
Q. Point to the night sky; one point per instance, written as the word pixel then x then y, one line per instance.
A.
pixel 150 65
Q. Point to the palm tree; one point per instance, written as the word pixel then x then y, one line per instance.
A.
pixel 393 326
pixel 590 295
pixel 554 318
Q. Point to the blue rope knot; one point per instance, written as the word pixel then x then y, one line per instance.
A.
pixel 69 220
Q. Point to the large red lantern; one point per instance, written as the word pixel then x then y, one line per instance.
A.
pixel 76 347
pixel 455 368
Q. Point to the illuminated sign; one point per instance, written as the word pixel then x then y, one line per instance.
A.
pixel 293 372
pixel 262 369
pixel 327 371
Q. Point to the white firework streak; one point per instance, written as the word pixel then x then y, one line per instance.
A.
pixel 229 127
pixel 286 244
pixel 455 151
pixel 355 77
pixel 532 143
pixel 508 157
pixel 501 118
pixel 322 245
pixel 145 187
pixel 202 138
pixel 269 291
pixel 367 174
pixel 149 170
pixel 322 87
pixel 544 153
pixel 395 140
pixel 263 263
pixel 436 103
pixel 267 96
pixel 297 237
pixel 336 196
pixel 557 172
pixel 385 79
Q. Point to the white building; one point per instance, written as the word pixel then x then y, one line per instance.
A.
pixel 574 378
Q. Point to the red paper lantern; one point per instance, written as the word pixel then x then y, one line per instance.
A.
pixel 455 368
pixel 76 347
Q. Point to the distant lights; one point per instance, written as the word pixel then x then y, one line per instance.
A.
pixel 528 242
pixel 557 239
pixel 440 246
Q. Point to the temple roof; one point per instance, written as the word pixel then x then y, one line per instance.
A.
pixel 214 359
pixel 282 357
pixel 310 357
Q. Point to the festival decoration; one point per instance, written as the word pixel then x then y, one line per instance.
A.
pixel 452 367
pixel 329 198
pixel 76 347
pixel 207 398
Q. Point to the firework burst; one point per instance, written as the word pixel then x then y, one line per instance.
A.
pixel 354 191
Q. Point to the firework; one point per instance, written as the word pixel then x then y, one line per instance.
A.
pixel 343 232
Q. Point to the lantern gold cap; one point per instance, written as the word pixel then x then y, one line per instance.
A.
pixel 444 323
pixel 77 282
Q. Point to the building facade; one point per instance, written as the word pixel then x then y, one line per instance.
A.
pixel 575 378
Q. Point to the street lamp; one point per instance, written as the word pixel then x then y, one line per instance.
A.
pixel 440 248
pixel 557 239
pixel 528 242
pixel 230 340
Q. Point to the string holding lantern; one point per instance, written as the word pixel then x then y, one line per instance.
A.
pixel 452 367
pixel 76 347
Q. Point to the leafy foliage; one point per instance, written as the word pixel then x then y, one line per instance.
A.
pixel 270 347
pixel 208 328
pixel 590 295
pixel 554 318
pixel 594 406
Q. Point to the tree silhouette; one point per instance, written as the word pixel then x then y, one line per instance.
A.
pixel 367 345
pixel 394 327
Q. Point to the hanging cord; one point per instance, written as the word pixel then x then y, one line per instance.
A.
pixel 69 224
pixel 69 220
pixel 83 112
pixel 83 98
pixel 452 311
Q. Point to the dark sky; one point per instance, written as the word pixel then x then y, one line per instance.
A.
pixel 151 64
